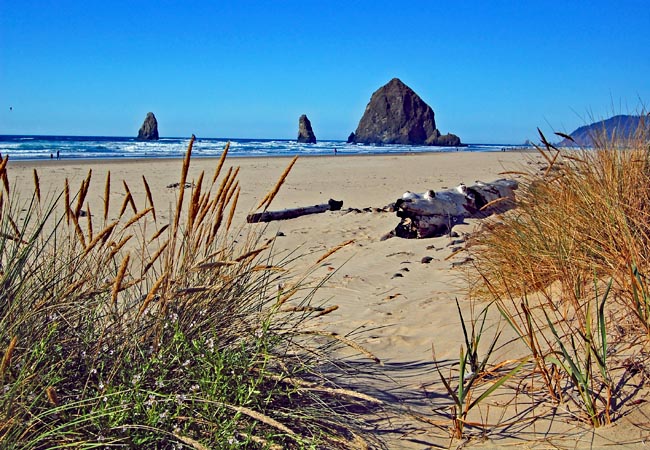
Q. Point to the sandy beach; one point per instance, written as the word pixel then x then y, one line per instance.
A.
pixel 396 304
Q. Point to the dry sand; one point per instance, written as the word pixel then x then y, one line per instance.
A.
pixel 400 305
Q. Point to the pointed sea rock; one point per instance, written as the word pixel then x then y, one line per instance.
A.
pixel 149 129
pixel 305 133
pixel 397 115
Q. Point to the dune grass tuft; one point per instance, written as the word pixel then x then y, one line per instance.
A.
pixel 160 335
pixel 569 267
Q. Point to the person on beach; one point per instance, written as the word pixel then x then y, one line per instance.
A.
pixel 57 155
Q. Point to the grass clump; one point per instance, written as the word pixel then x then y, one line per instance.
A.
pixel 125 331
pixel 568 270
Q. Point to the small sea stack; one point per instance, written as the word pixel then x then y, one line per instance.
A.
pixel 149 129
pixel 305 133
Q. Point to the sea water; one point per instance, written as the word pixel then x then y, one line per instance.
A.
pixel 94 147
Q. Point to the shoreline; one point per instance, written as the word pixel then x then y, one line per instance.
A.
pixel 139 159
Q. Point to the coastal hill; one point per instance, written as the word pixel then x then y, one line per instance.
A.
pixel 397 115
pixel 621 126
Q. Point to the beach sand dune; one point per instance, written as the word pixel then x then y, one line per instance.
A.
pixel 397 296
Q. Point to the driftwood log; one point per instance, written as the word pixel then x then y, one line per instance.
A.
pixel 434 214
pixel 292 213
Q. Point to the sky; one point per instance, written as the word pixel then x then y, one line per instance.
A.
pixel 493 71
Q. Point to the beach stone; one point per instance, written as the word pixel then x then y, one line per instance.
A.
pixel 426 260
pixel 305 133
pixel 350 138
pixel 397 115
pixel 149 129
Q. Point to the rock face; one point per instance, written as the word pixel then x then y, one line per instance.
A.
pixel 149 129
pixel 397 115
pixel 621 126
pixel 305 133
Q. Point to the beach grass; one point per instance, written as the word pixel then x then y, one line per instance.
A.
pixel 568 270
pixel 118 329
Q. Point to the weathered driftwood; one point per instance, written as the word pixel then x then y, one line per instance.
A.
pixel 435 213
pixel 292 213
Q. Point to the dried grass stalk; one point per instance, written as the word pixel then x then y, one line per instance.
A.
pixel 107 195
pixel 137 217
pixel 233 208
pixel 149 197
pixel 127 200
pixel 156 255
pixel 221 162
pixel 102 235
pixel 66 196
pixel 266 202
pixel 37 186
pixel 333 250
pixel 152 294
pixel 129 197
pixel 193 208
pixel 90 221
pixel 158 233
pixel 181 193
pixel 251 254
pixel 119 246
pixel 117 284
pixel 3 174
pixel 6 359
pixel 261 418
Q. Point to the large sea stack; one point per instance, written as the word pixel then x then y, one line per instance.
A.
pixel 397 115
pixel 149 129
pixel 305 133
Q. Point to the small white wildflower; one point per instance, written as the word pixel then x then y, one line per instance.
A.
pixel 194 388
pixel 93 371
pixel 136 379
pixel 101 386
pixel 210 344
pixel 186 363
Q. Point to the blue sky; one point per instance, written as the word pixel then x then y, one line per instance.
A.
pixel 492 71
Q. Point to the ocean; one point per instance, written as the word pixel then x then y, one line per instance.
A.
pixel 97 147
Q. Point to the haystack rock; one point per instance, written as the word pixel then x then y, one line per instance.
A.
pixel 149 129
pixel 305 133
pixel 397 115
